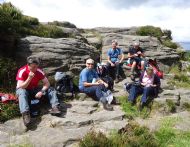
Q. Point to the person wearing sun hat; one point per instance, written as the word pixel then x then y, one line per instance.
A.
pixel 92 85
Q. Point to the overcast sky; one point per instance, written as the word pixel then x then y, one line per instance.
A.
pixel 168 14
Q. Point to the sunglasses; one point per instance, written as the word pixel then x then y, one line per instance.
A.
pixel 90 63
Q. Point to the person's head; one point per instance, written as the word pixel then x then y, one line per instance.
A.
pixel 114 44
pixel 90 63
pixel 33 63
pixel 149 71
pixel 136 44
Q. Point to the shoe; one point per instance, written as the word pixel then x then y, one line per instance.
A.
pixel 55 111
pixel 26 118
pixel 108 107
pixel 116 80
pixel 115 101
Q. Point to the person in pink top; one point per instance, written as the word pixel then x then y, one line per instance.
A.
pixel 27 88
pixel 149 84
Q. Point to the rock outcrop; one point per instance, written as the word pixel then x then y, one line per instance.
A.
pixel 78 118
pixel 70 53
pixel 61 54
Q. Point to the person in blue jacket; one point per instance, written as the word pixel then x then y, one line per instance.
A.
pixel 92 85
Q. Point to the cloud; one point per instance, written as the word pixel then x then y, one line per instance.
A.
pixel 171 15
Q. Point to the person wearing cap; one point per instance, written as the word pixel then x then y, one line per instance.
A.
pixel 92 85
pixel 149 86
pixel 136 55
pixel 28 78
pixel 115 58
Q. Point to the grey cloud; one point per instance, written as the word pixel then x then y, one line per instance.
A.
pixel 154 3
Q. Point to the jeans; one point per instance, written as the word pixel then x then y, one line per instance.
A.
pixel 25 96
pixel 116 68
pixel 95 91
pixel 136 90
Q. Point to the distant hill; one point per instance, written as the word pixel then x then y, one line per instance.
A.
pixel 185 45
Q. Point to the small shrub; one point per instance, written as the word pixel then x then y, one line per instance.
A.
pixel 186 106
pixel 150 31
pixel 171 106
pixel 93 139
pixel 132 135
pixel 62 24
pixel 7 74
pixel 8 111
pixel 169 44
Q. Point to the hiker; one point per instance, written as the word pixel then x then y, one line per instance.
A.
pixel 115 58
pixel 92 85
pixel 135 57
pixel 27 88
pixel 149 84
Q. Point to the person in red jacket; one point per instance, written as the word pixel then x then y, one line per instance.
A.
pixel 28 78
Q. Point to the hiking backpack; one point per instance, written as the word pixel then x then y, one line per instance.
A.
pixel 64 83
pixel 102 72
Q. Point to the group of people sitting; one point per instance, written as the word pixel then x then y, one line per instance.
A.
pixel 29 76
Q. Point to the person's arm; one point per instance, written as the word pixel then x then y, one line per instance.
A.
pixel 24 84
pixel 129 55
pixel 46 85
pixel 122 58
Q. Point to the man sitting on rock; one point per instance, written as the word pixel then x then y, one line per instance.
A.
pixel 135 55
pixel 114 60
pixel 92 85
pixel 27 88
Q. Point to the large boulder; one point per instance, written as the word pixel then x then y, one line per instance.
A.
pixel 61 54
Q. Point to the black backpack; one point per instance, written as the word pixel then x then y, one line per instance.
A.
pixel 64 84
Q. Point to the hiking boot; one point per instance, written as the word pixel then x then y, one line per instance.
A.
pixel 55 111
pixel 115 101
pixel 26 118
pixel 116 80
pixel 108 107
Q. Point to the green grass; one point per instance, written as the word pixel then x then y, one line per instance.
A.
pixel 180 79
pixel 167 135
pixel 133 111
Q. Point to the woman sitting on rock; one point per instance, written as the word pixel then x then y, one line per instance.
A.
pixel 149 84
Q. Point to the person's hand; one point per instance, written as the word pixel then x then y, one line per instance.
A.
pixel 139 52
pixel 153 85
pixel 106 85
pixel 143 84
pixel 38 95
pixel 31 75
pixel 135 55
pixel 112 64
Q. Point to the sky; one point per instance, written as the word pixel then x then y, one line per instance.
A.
pixel 168 14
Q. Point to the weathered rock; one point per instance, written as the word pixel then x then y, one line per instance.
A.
pixel 51 131
pixel 61 54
